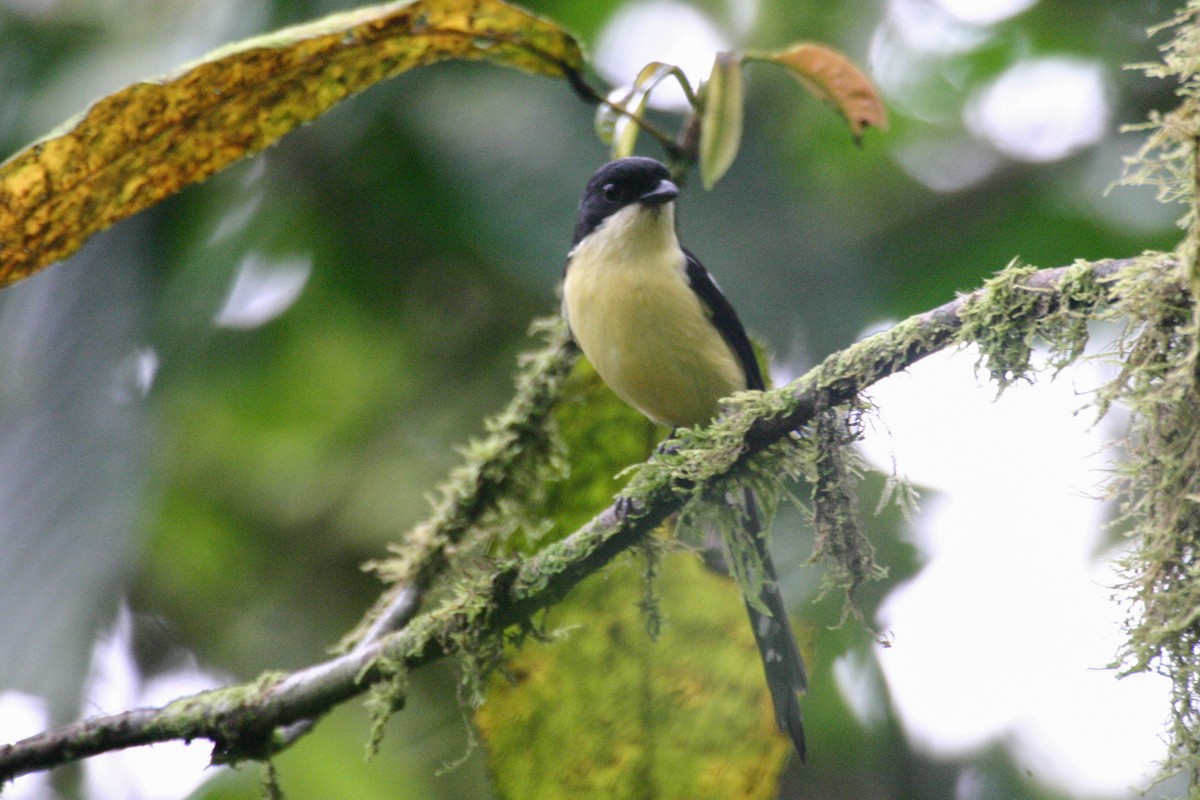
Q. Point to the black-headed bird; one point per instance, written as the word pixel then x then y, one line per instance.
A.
pixel 658 331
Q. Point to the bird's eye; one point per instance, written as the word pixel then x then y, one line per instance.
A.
pixel 611 192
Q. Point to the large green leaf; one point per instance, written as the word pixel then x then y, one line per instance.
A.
pixel 145 142
pixel 607 712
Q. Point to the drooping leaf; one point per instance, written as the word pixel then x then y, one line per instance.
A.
pixel 607 712
pixel 608 113
pixel 721 122
pixel 145 142
pixel 835 80
pixel 621 130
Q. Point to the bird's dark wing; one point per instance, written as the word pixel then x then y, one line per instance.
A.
pixel 725 319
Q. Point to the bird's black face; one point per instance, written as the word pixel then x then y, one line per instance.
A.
pixel 618 184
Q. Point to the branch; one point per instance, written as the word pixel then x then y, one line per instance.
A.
pixel 841 376
pixel 250 720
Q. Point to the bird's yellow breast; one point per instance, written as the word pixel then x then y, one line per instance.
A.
pixel 636 318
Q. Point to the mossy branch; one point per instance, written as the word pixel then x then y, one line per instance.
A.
pixel 251 721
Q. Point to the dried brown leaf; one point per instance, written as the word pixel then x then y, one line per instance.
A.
pixel 835 80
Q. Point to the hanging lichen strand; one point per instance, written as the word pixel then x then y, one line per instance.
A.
pixel 1159 483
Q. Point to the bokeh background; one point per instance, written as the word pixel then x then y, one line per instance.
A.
pixel 217 410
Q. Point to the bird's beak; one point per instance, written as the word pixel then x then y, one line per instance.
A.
pixel 665 192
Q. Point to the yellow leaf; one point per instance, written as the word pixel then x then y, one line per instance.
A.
pixel 145 142
pixel 625 129
pixel 835 80
pixel 607 114
pixel 721 122
pixel 606 712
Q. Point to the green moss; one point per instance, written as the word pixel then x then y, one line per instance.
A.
pixel 1002 322
pixel 651 602
pixel 841 546
pixel 1158 485
pixel 387 696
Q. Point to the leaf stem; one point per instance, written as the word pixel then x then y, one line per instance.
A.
pixel 589 94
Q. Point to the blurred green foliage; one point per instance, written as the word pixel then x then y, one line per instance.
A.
pixel 436 211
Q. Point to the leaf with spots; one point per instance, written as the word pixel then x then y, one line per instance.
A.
pixel 147 141
pixel 604 710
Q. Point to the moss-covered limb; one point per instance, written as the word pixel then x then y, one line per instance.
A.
pixel 502 475
pixel 244 721
pixel 228 717
pixel 78 740
pixel 1016 306
pixel 760 420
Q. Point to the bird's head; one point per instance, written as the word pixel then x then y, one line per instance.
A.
pixel 626 187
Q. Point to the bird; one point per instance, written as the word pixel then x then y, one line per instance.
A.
pixel 658 331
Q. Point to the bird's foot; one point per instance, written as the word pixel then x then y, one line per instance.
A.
pixel 667 447
pixel 626 507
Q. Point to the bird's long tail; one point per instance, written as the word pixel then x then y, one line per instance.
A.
pixel 782 663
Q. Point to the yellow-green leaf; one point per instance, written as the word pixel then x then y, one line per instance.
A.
pixel 721 121
pixel 606 712
pixel 608 113
pixel 835 80
pixel 626 128
pixel 145 142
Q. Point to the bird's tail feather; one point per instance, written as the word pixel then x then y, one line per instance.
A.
pixel 782 663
